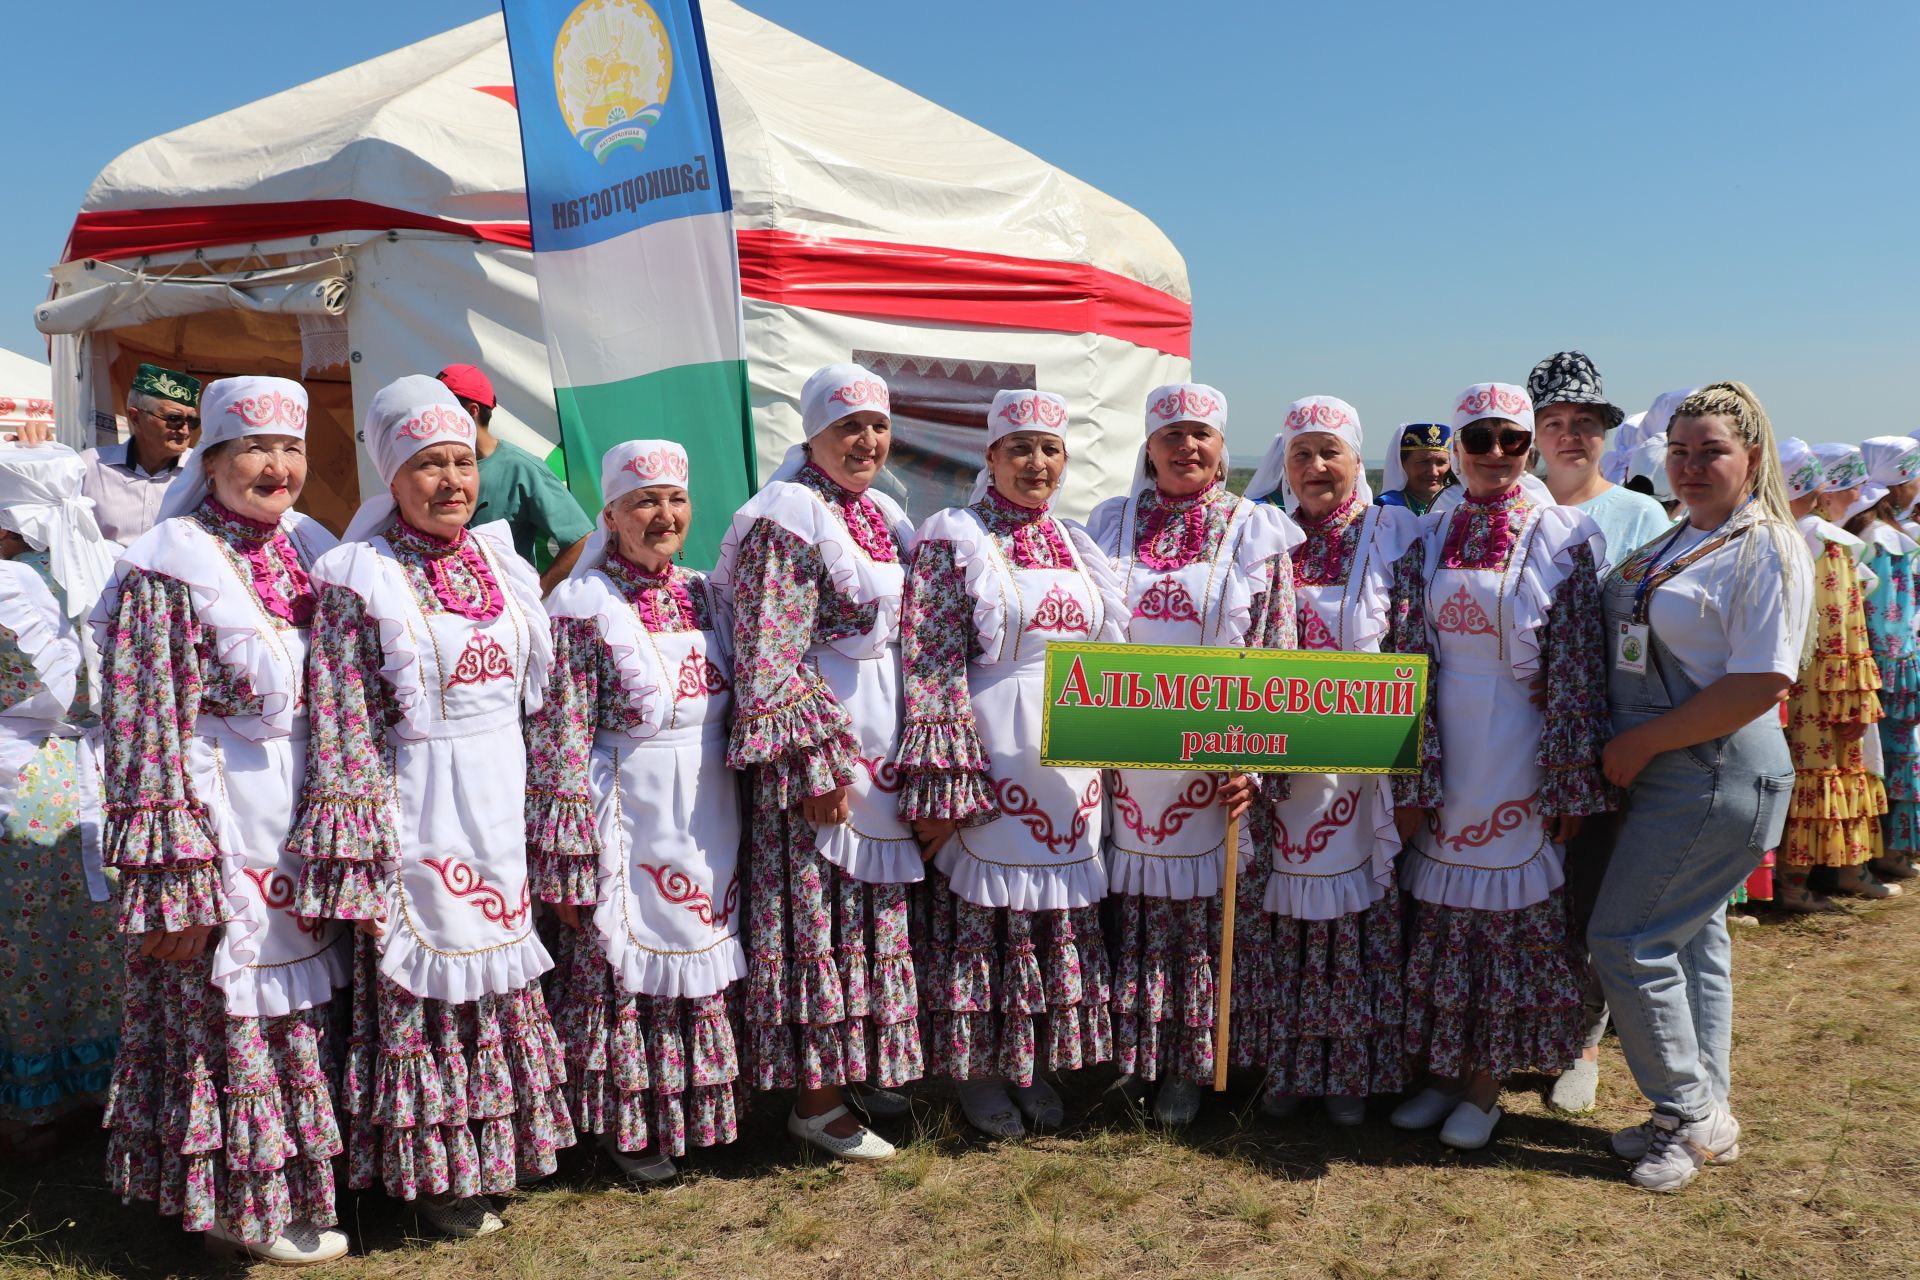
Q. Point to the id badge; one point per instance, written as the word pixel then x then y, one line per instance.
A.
pixel 1630 642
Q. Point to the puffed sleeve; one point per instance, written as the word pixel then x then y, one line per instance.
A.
pixel 158 835
pixel 940 749
pixel 1573 656
pixel 344 833
pixel 1407 633
pixel 787 725
pixel 563 844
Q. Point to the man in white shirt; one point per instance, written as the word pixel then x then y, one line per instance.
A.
pixel 1571 419
pixel 128 481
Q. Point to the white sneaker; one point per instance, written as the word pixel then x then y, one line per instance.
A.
pixel 877 1103
pixel 1577 1088
pixel 1039 1104
pixel 1344 1109
pixel 1678 1150
pixel 1469 1128
pixel 1425 1109
pixel 988 1108
pixel 463 1219
pixel 301 1245
pixel 653 1166
pixel 864 1145
pixel 1177 1103
pixel 1632 1143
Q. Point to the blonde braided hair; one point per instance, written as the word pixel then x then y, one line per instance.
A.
pixel 1741 409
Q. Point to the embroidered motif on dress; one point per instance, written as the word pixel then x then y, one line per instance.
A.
pixel 1016 802
pixel 462 881
pixel 1059 611
pixel 1199 794
pixel 882 772
pixel 1166 601
pixel 699 676
pixel 481 661
pixel 679 889
pixel 1506 817
pixel 1314 633
pixel 276 890
pixel 1463 615
pixel 1339 814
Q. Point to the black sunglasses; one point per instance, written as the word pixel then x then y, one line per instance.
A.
pixel 1513 442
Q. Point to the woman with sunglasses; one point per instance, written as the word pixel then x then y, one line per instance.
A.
pixel 1511 596
pixel 1327 848
pixel 1197 566
pixel 1708 631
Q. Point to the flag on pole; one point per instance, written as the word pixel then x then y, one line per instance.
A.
pixel 633 242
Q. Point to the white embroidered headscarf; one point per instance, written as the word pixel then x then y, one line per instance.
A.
pixel 406 416
pixel 231 408
pixel 1327 415
pixel 630 465
pixel 1015 411
pixel 1174 403
pixel 831 394
pixel 1800 468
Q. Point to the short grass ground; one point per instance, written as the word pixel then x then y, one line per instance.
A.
pixel 1826 1086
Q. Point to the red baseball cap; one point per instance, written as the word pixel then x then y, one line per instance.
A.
pixel 468 383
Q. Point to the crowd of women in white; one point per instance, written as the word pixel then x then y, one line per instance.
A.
pixel 790 824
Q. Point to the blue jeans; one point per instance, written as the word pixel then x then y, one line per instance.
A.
pixel 1697 822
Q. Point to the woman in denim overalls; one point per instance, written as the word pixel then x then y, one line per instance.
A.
pixel 1706 632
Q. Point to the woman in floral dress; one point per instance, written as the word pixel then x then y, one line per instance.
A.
pixel 59 963
pixel 1511 595
pixel 1893 617
pixel 633 815
pixel 1197 565
pixel 1013 965
pixel 1334 1027
pixel 428 642
pixel 222 1107
pixel 813 566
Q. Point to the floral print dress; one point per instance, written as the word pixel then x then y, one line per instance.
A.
pixel 1893 621
pixel 831 996
pixel 633 816
pixel 1010 952
pixel 59 964
pixel 1511 593
pixel 219 1116
pixel 1334 1026
pixel 1208 568
pixel 1834 818
pixel 424 653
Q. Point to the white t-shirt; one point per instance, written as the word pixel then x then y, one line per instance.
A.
pixel 1742 610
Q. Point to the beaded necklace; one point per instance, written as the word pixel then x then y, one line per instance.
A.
pixel 1175 532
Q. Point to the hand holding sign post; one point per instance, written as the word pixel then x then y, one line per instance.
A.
pixel 1120 706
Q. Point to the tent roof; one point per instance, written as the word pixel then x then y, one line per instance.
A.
pixel 815 144
pixel 24 376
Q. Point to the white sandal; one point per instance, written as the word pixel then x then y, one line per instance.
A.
pixel 863 1145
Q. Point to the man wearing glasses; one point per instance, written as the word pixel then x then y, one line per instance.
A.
pixel 128 481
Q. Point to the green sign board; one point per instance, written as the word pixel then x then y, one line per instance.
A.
pixel 1143 706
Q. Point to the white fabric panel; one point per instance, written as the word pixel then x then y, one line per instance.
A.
pixel 1105 382
pixel 620 321
pixel 104 296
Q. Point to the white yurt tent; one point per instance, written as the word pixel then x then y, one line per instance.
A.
pixel 26 392
pixel 374 223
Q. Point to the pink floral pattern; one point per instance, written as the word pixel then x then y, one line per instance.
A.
pixel 278 577
pixel 1480 530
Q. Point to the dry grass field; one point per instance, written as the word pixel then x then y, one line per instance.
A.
pixel 1827 1073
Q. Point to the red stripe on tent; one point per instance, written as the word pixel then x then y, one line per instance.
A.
pixel 847 277
pixel 132 233
pixel 956 286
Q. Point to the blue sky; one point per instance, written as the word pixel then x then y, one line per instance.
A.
pixel 1383 201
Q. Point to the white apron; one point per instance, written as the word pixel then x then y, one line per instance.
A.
pixel 1043 852
pixel 247 771
pixel 1169 833
pixel 1334 840
pixel 668 812
pixel 459 907
pixel 1487 847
